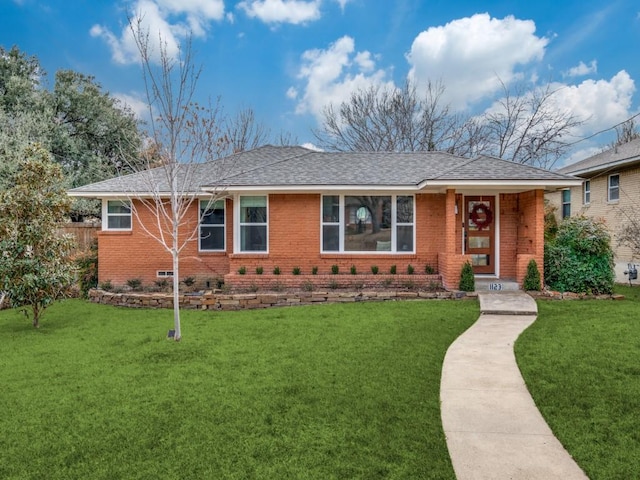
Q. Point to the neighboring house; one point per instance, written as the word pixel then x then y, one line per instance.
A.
pixel 293 207
pixel 610 190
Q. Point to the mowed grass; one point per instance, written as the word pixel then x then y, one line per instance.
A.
pixel 325 392
pixel 581 363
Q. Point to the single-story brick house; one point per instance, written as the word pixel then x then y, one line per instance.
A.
pixel 295 208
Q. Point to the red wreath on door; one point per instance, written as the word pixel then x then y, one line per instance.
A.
pixel 481 215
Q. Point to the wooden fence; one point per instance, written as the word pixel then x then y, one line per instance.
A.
pixel 84 233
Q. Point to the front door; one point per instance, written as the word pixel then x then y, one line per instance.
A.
pixel 480 223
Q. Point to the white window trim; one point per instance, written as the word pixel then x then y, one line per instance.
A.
pixel 586 191
pixel 609 199
pixel 394 225
pixel 237 225
pixel 106 215
pixel 223 225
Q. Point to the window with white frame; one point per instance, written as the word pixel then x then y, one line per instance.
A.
pixel 253 223
pixel 566 203
pixel 368 223
pixel 613 190
pixel 586 187
pixel 212 230
pixel 118 215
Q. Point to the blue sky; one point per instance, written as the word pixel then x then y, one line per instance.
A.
pixel 287 59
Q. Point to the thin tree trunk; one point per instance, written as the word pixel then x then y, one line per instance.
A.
pixel 176 296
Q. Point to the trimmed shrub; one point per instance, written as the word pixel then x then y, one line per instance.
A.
pixel 314 270
pixel 353 270
pixel 296 270
pixel 259 270
pixel 580 259
pixel 467 280
pixel 242 270
pixel 276 270
pixel 374 269
pixel 410 269
pixel 532 278
pixel 335 269
pixel 392 270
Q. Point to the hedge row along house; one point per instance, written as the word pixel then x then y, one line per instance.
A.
pixel 312 212
pixel 608 190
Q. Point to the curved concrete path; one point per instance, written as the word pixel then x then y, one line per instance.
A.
pixel 492 426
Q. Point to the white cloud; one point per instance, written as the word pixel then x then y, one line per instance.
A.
pixel 472 55
pixel 331 75
pixel 282 11
pixel 292 93
pixel 158 18
pixel 601 103
pixel 135 103
pixel 582 69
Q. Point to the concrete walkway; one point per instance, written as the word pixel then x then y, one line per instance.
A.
pixel 492 426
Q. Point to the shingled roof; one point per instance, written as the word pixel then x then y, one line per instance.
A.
pixel 623 155
pixel 291 168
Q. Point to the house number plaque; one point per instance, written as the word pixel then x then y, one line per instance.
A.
pixel 495 286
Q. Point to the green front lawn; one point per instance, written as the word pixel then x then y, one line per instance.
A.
pixel 331 391
pixel 581 362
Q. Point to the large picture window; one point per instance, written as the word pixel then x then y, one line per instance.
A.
pixel 118 215
pixel 253 223
pixel 368 223
pixel 212 231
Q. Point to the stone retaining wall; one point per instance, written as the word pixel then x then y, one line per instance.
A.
pixel 240 301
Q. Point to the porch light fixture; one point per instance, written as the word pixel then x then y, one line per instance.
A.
pixel 455 208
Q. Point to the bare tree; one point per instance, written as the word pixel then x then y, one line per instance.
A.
pixel 182 137
pixel 381 118
pixel 528 127
pixel 626 131
pixel 245 132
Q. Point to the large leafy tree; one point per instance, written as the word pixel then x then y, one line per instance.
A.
pixel 85 128
pixel 35 269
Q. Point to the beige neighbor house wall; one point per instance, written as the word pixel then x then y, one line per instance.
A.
pixel 612 212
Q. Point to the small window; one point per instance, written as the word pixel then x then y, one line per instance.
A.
pixel 118 215
pixel 253 224
pixel 212 231
pixel 587 191
pixel 164 273
pixel 566 203
pixel 614 188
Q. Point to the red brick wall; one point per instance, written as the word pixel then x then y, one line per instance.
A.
pixel 294 240
pixel 530 232
pixel 126 255
pixel 509 219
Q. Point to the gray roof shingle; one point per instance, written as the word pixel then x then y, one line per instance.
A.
pixel 621 155
pixel 271 166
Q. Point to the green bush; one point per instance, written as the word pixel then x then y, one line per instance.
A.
pixel 242 270
pixel 467 280
pixel 296 270
pixel 392 270
pixel 335 269
pixel 410 269
pixel 580 258
pixel 259 270
pixel 314 270
pixel 276 270
pixel 532 278
pixel 429 270
pixel 374 269
pixel 353 270
pixel 135 284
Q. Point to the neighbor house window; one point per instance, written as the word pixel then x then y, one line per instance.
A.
pixel 614 188
pixel 566 203
pixel 368 223
pixel 118 215
pixel 253 223
pixel 587 192
pixel 212 231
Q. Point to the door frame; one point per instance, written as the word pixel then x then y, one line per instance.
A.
pixel 495 249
